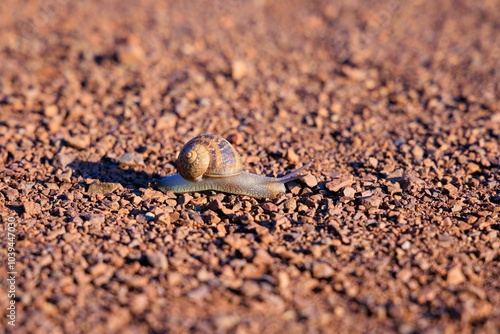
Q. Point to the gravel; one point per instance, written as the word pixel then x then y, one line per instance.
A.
pixel 396 229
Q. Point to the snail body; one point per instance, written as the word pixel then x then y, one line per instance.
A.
pixel 209 162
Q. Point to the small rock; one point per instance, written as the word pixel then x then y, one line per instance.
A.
pixel 394 188
pixel 50 110
pixel 184 199
pixel 310 180
pixel 216 204
pixel 404 275
pixel 269 207
pixel 94 218
pixel 322 270
pixel 473 168
pixel 239 69
pixel 98 269
pixel 199 293
pixel 205 102
pixel 11 194
pixel 495 117
pixel 290 205
pixel 54 123
pixel 371 201
pixel 166 121
pixel 131 52
pixel 340 183
pixel 354 73
pixel 78 142
pixel 349 192
pixel 157 259
pixel 235 138
pixel 163 218
pixel 131 159
pixel 139 304
pixel 292 156
pixel 418 152
pixel 411 181
pixel 225 322
pixel 373 162
pixel 65 177
pixel 451 190
pixel 141 218
pixel 455 276
pixel 54 234
pixel 182 108
pixel 395 176
pixel 221 229
pixel 406 245
pixel 62 160
pixel 31 208
pixel 117 320
pixel 283 280
pixel 102 188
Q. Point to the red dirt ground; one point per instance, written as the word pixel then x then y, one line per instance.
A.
pixel 395 230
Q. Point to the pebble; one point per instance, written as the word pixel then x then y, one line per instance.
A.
pixel 51 110
pixel 322 270
pixel 292 156
pixel 78 142
pixel 290 205
pixel 130 53
pixel 12 195
pixel 310 180
pixel 157 259
pixel 349 192
pixel 131 159
pixel 373 162
pixel 451 190
pixel 98 269
pixel 62 160
pixel 473 168
pixel 199 294
pixel 371 201
pixel 94 218
pixel 102 187
pixel 396 175
pixel 139 303
pixel 406 245
pixel 235 138
pixel 269 207
pixel 418 153
pixel 31 208
pixel 239 69
pixel 340 183
pixel 167 121
pixel 417 249
pixel 455 276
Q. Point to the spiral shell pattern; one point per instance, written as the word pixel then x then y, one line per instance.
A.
pixel 208 155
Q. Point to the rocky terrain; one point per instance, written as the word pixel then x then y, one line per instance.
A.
pixel 395 229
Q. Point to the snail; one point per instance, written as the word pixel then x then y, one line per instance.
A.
pixel 209 162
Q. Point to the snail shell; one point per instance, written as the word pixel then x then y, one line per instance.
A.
pixel 208 155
